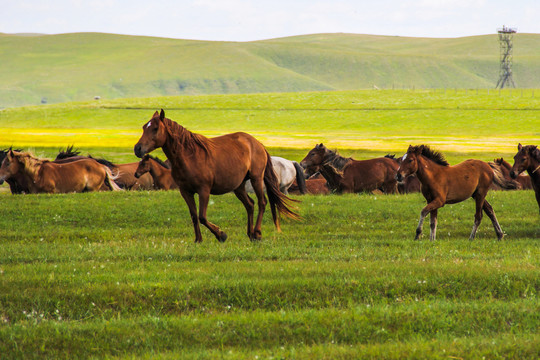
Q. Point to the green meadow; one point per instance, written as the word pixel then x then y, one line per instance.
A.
pixel 117 275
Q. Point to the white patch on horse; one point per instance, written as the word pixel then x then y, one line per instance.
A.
pixel 149 123
pixel 404 157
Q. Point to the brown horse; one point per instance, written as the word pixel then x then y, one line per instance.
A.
pixel 17 183
pixel 349 175
pixel 524 181
pixel 410 184
pixel 45 176
pixel 528 158
pixel 160 172
pixel 125 173
pixel 444 184
pixel 218 165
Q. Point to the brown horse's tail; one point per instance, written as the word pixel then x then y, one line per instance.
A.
pixel 277 199
pixel 109 179
pixel 500 180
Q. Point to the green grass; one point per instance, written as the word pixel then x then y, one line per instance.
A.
pixel 74 67
pixel 118 274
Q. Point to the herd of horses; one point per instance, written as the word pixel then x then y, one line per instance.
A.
pixel 240 164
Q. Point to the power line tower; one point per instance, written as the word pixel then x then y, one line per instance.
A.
pixel 506 36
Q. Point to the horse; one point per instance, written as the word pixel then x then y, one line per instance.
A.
pixel 17 183
pixel 444 184
pixel 287 172
pixel 524 181
pixel 125 173
pixel 528 158
pixel 217 165
pixel 314 186
pixel 160 172
pixel 349 175
pixel 45 176
pixel 410 184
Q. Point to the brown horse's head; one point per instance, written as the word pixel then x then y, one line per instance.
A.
pixel 143 167
pixel 409 162
pixel 154 135
pixel 10 166
pixel 524 158
pixel 315 157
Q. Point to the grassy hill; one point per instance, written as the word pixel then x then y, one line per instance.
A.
pixel 80 66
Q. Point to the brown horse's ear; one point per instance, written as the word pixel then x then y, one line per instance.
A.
pixel 520 147
pixel 156 114
pixel 162 115
pixel 320 146
pixel 410 148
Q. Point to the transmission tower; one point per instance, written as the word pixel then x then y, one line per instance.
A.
pixel 506 36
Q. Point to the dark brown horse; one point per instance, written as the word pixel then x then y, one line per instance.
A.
pixel 349 175
pixel 528 158
pixel 524 181
pixel 44 176
pixel 124 173
pixel 444 184
pixel 218 165
pixel 160 172
pixel 17 183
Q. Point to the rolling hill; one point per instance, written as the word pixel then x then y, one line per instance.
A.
pixel 79 66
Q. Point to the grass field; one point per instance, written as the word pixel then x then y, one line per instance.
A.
pixel 117 275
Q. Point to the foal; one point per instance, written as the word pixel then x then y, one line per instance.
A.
pixel 444 184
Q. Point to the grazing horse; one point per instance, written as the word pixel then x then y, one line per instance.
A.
pixel 444 184
pixel 528 158
pixel 45 176
pixel 287 172
pixel 218 165
pixel 349 175
pixel 160 172
pixel 523 180
pixel 125 173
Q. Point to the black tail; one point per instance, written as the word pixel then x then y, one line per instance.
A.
pixel 276 198
pixel 300 178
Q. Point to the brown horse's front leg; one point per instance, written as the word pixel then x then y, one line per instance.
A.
pixel 204 196
pixel 477 215
pixel 433 225
pixel 432 206
pixel 190 201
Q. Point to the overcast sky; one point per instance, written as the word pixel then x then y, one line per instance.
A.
pixel 246 20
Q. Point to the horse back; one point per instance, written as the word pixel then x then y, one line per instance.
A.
pixel 466 178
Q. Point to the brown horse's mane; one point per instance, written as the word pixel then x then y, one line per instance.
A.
pixel 182 137
pixel 158 160
pixel 433 155
pixel 336 161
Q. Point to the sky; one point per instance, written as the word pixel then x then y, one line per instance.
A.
pixel 249 20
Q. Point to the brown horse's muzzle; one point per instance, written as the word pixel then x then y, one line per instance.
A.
pixel 513 174
pixel 138 150
pixel 399 177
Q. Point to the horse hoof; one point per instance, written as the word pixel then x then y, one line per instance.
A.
pixel 222 237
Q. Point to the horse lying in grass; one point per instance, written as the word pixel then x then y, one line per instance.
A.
pixel 352 176
pixel 44 176
pixel 125 173
pixel 287 172
pixel 444 184
pixel 528 159
pixel 218 165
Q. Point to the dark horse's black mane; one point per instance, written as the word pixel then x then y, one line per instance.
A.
pixel 335 160
pixel 70 152
pixel 159 161
pixel 436 156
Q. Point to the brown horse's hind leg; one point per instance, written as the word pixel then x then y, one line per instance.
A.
pixel 190 201
pixel 433 225
pixel 488 209
pixel 261 203
pixel 204 196
pixel 248 202
pixel 477 215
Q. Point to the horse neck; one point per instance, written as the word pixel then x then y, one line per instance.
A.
pixel 335 160
pixel 534 169
pixel 426 168
pixel 156 170
pixel 179 143
pixel 330 175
